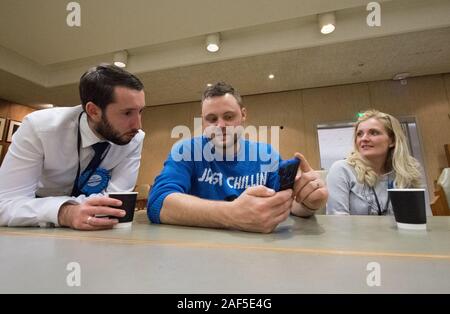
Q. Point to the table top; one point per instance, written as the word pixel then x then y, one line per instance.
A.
pixel 321 254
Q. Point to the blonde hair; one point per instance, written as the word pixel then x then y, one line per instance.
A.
pixel 406 168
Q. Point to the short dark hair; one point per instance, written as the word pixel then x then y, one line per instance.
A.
pixel 220 89
pixel 97 84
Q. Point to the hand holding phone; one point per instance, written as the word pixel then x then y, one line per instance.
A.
pixel 287 173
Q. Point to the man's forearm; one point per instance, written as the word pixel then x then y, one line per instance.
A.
pixel 184 209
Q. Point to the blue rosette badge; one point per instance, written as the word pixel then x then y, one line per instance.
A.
pixel 96 183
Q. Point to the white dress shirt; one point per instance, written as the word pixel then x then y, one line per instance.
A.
pixel 43 160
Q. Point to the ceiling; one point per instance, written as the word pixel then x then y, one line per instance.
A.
pixel 41 58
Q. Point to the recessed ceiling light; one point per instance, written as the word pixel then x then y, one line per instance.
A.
pixel 327 22
pixel 401 76
pixel 271 76
pixel 213 42
pixel 121 59
pixel 209 84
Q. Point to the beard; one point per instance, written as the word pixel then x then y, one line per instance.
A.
pixel 107 131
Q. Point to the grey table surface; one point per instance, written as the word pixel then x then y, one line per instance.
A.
pixel 322 254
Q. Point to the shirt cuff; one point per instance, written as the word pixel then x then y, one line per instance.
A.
pixel 49 218
pixel 154 209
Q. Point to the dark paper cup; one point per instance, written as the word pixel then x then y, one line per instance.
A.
pixel 128 205
pixel 409 208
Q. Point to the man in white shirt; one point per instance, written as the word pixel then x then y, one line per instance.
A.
pixel 62 161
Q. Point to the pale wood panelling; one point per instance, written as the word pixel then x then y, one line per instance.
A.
pixel 11 111
pixel 158 123
pixel 299 112
pixel 330 105
pixel 282 110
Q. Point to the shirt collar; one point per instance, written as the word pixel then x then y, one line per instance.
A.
pixel 88 137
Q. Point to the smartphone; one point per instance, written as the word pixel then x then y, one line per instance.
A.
pixel 287 173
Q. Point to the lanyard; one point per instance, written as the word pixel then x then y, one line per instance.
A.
pixel 77 187
pixel 381 212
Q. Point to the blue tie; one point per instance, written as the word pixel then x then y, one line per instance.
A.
pixel 99 149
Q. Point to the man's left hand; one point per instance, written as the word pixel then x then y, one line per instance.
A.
pixel 309 188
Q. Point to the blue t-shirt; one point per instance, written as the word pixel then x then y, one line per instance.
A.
pixel 194 167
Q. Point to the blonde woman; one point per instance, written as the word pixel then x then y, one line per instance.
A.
pixel 380 159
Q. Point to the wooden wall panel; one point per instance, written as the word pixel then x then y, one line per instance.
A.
pixel 11 111
pixel 300 111
pixel 158 123
pixel 330 105
pixel 4 108
pixel 446 78
pixel 18 112
pixel 279 110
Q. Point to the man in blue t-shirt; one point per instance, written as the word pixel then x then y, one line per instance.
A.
pixel 221 180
